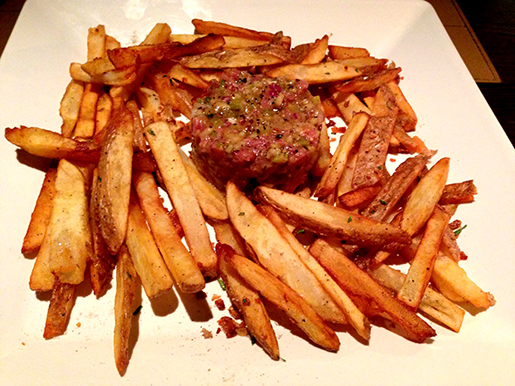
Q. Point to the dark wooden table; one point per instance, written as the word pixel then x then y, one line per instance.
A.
pixel 494 24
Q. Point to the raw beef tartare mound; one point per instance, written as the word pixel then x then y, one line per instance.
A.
pixel 251 129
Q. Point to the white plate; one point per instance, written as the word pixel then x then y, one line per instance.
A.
pixel 454 118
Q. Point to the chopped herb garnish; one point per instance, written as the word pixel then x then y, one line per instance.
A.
pixel 459 230
pixel 222 284
pixel 383 202
pixel 151 132
pixel 349 219
pixel 301 231
pixel 241 214
pixel 253 339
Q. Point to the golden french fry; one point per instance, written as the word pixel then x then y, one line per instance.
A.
pixel 104 111
pixel 324 72
pixel 178 185
pixel 422 264
pixel 250 306
pixel 41 215
pixel 230 41
pixel 328 220
pixel 454 283
pixel 357 283
pixel 179 261
pixel 358 198
pixel 96 42
pixel 144 253
pixel 49 144
pixel 286 299
pixel 324 153
pixel 114 179
pixel 337 164
pixel 226 234
pixel 211 200
pixel 407 118
pixel 59 310
pixel 370 82
pixel 85 126
pixel 341 53
pixel 185 75
pixel 277 256
pixel 349 104
pixel 98 66
pixel 352 313
pixel 316 51
pixel 68 231
pixel 458 193
pixel 433 303
pixel 128 286
pixel 118 77
pixel 70 106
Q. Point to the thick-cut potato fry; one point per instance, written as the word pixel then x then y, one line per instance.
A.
pixel 178 185
pixel 335 169
pixel 211 200
pixel 407 118
pixel 358 198
pixel 158 34
pixel 179 261
pixel 328 220
pixel 249 304
pixel 68 231
pixel 59 310
pixel 149 264
pixel 433 303
pixel 104 111
pixel 352 313
pixel 274 252
pixel 41 278
pixel 85 126
pixel 226 234
pixel 70 106
pixel 96 42
pixel 140 143
pixel 373 150
pixel 207 27
pixel 114 179
pixel 41 215
pixel 102 263
pixel 410 144
pixel 185 75
pixel 128 286
pixel 341 53
pixel 369 83
pixel 49 144
pixel 454 283
pixel 98 66
pixel 230 41
pixel 404 175
pixel 422 264
pixel 324 72
pixel 316 51
pixel 285 299
pixel 458 193
pixel 358 283
pixel 118 77
pixel 349 105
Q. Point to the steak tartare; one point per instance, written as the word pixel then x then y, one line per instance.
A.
pixel 252 130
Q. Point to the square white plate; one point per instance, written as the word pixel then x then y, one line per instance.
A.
pixel 453 118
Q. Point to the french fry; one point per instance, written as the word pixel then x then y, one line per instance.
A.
pixel 285 299
pixel 327 220
pixel 316 52
pixel 59 310
pixel 324 72
pixel 352 313
pixel 250 306
pixel 349 104
pixel 178 185
pixel 68 231
pixel 422 264
pixel 41 277
pixel 452 281
pixel 96 42
pixel 458 193
pixel 226 234
pixel 407 118
pixel 41 215
pixel 104 111
pixel 179 261
pixel 211 200
pixel 70 106
pixel 370 82
pixel 85 126
pixel 128 286
pixel 358 198
pixel 432 303
pixel 358 283
pixel 185 75
pixel 341 53
pixel 49 144
pixel 274 252
pixel 337 164
pixel 324 153
pixel 102 263
pixel 230 41
pixel 144 253
pixel 370 165
pixel 118 77
pixel 114 179
pixel 98 66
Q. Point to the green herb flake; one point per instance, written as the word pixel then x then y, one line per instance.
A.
pixel 383 202
pixel 459 230
pixel 241 214
pixel 301 231
pixel 151 132
pixel 349 219
pixel 222 284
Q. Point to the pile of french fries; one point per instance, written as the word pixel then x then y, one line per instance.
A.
pixel 322 254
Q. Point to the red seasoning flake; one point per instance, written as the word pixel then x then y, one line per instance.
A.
pixel 219 303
